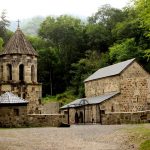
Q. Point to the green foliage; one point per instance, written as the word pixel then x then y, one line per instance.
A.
pixel 49 99
pixel 125 50
pixel 145 145
pixel 71 50
pixel 84 68
pixel 4 23
pixel 142 8
pixel 1 44
pixel 65 97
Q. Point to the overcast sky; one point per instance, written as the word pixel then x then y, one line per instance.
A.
pixel 22 9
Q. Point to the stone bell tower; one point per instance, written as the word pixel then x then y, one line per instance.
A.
pixel 18 70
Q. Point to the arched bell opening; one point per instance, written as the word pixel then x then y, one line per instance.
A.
pixel 21 72
pixel 9 72
pixel 32 73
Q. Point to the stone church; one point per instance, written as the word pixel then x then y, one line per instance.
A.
pixel 20 93
pixel 119 93
pixel 18 71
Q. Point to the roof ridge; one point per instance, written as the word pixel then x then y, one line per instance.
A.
pixel 110 70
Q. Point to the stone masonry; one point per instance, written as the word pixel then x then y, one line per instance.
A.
pixel 130 102
pixel 18 71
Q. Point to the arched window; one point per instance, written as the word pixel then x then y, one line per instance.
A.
pixel 9 72
pixel 32 73
pixel 21 72
pixel 1 72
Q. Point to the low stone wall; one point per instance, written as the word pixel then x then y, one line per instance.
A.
pixel 126 118
pixel 51 108
pixel 43 120
pixel 34 120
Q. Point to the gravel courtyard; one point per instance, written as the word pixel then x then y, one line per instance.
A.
pixel 77 137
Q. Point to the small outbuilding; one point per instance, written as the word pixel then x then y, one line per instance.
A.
pixel 13 110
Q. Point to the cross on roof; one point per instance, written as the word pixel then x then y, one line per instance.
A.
pixel 18 21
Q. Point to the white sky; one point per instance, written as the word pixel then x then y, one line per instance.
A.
pixel 21 9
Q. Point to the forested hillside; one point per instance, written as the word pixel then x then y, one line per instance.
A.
pixel 71 49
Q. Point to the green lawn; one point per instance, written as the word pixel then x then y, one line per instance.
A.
pixel 141 136
pixel 145 145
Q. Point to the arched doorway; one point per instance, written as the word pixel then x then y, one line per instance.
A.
pixel 76 118
pixel 21 72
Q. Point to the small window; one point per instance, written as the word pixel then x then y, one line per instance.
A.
pixel 40 101
pixel 16 112
pixel 102 111
pixel 112 108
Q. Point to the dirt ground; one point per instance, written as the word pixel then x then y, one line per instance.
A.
pixel 77 137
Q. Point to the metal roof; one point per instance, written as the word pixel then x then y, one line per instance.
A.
pixel 110 70
pixel 10 98
pixel 19 45
pixel 90 100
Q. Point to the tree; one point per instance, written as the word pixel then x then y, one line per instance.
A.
pixel 142 8
pixel 125 50
pixel 84 68
pixel 101 24
pixel 4 23
pixel 65 35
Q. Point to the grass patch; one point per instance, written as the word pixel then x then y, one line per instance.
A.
pixel 63 98
pixel 49 99
pixel 141 136
pixel 145 145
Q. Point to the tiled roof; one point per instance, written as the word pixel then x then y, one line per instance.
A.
pixel 18 45
pixel 9 98
pixel 110 70
pixel 90 100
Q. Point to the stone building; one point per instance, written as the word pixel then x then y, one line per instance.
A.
pixel 18 71
pixel 12 110
pixel 120 89
pixel 20 92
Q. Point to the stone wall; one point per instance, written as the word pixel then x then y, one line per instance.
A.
pixel 133 97
pixel 134 71
pixel 51 108
pixel 101 86
pixel 43 120
pixel 33 95
pixel 10 118
pixel 13 116
pixel 16 60
pixel 31 92
pixel 126 118
pixel 28 88
pixel 111 84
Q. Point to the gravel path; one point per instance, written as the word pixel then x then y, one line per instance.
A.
pixel 79 137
